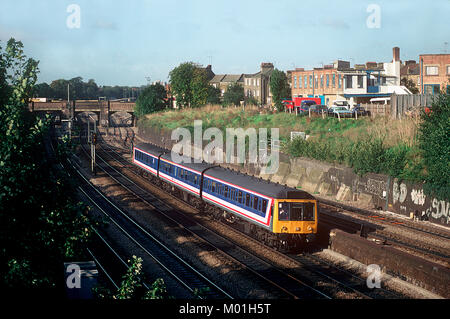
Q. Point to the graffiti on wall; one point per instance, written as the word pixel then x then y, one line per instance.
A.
pixel 420 204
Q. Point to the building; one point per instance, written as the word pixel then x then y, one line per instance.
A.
pixel 257 85
pixel 357 84
pixel 434 73
pixel 325 83
pixel 222 81
pixel 410 71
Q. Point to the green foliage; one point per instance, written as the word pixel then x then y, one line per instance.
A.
pixel 434 142
pixel 364 156
pixel 233 95
pixel 190 86
pixel 199 87
pixel 152 99
pixel 279 87
pixel 213 95
pixel 41 224
pixel 132 288
pixel 181 80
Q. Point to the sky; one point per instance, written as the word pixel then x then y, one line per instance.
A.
pixel 129 42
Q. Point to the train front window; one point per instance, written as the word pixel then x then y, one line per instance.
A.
pixel 283 211
pixel 296 211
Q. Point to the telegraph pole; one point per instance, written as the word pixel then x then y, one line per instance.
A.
pixel 93 142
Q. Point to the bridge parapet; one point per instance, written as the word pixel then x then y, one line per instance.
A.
pixel 104 108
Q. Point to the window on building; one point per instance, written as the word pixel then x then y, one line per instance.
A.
pixel 348 80
pixel 339 81
pixel 306 81
pixel 448 69
pixel 432 88
pixel 333 80
pixel 300 81
pixel 360 81
pixel 295 82
pixel 310 81
pixel 316 81
pixel 431 70
pixel 328 80
pixel 257 82
pixel 321 81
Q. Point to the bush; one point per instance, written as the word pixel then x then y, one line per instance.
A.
pixel 434 142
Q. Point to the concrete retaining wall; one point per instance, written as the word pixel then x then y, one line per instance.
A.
pixel 338 183
pixel 421 272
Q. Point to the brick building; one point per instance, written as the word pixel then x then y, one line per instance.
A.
pixel 434 73
pixel 257 85
pixel 325 82
pixel 222 81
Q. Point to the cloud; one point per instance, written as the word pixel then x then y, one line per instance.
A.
pixel 336 24
pixel 105 25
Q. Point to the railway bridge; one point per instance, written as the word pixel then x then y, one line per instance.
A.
pixel 103 109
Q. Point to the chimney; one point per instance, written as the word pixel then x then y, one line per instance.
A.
pixel 396 54
pixel 266 66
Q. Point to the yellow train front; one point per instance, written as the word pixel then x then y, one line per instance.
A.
pixel 295 221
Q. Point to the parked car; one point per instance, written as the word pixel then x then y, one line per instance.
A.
pixel 304 106
pixel 343 103
pixel 341 110
pixel 360 111
pixel 317 109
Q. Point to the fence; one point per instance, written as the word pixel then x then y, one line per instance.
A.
pixel 407 104
pixel 376 109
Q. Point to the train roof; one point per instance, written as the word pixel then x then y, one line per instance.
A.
pixel 255 184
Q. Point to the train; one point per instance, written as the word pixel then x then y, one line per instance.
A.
pixel 281 217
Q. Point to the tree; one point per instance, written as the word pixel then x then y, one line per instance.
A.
pixel 434 141
pixel 43 90
pixel 213 95
pixel 152 99
pixel 279 87
pixel 41 223
pixel 90 90
pixel 59 88
pixel 199 87
pixel 234 94
pixel 181 83
pixel 410 85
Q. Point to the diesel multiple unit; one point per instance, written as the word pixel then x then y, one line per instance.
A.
pixel 280 216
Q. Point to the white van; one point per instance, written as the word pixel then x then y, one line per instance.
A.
pixel 343 103
pixel 380 100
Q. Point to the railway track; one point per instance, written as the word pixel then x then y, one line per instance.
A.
pixel 176 267
pixel 378 232
pixel 308 264
pixel 272 279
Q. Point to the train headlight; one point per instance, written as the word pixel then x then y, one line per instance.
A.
pixel 297 229
pixel 309 228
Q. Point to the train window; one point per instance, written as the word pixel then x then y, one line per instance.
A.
pixel 255 202
pixel 308 211
pixel 247 199
pixel 283 211
pixel 195 179
pixel 225 191
pixel 264 205
pixel 213 187
pixel 240 197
